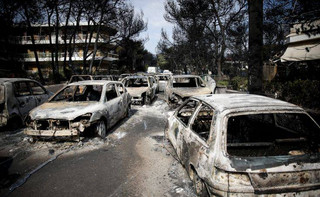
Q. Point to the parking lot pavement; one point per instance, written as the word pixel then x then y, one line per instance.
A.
pixel 134 160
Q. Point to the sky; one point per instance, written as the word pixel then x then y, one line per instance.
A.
pixel 153 13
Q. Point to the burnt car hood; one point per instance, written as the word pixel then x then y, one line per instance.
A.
pixel 136 92
pixel 188 92
pixel 63 110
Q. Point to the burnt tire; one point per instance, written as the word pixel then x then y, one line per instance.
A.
pixel 127 114
pixel 198 184
pixel 14 123
pixel 147 100
pixel 101 129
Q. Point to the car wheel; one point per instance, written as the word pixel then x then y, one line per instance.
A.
pixel 127 112
pixel 214 91
pixel 147 100
pixel 198 184
pixel 101 129
pixel 14 123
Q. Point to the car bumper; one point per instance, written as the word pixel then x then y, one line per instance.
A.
pixel 136 100
pixel 217 192
pixel 52 133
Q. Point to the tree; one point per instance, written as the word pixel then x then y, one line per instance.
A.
pixel 200 32
pixel 30 13
pixel 255 46
pixel 129 27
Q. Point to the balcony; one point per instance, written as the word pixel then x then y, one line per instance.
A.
pixel 80 39
pixel 46 57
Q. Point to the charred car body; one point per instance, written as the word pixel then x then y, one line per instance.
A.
pixel 82 106
pixel 181 87
pixel 162 81
pixel 247 145
pixel 17 97
pixel 141 88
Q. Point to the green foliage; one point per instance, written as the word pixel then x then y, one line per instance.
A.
pixel 239 83
pixel 224 83
pixel 304 93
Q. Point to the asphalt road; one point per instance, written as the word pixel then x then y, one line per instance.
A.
pixel 135 160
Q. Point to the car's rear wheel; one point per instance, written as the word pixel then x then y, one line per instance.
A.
pixel 101 129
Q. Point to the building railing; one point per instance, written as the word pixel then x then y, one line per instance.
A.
pixel 79 38
pixel 30 57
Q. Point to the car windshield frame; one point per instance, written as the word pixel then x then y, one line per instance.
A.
pixel 80 93
pixel 145 83
pixel 196 84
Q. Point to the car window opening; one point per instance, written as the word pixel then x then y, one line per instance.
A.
pixel 271 134
pixel 143 82
pixel 184 83
pixel 202 122
pixel 111 92
pixel 186 111
pixel 79 93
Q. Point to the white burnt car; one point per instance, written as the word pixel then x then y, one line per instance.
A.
pixel 247 145
pixel 162 81
pixel 181 87
pixel 141 88
pixel 84 106
pixel 17 97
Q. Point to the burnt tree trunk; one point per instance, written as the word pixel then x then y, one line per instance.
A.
pixel 65 41
pixel 255 46
pixel 30 30
pixel 56 63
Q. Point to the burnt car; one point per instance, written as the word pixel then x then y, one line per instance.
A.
pixel 181 87
pixel 246 145
pixel 76 78
pixel 17 97
pixel 162 81
pixel 103 77
pixel 79 108
pixel 141 88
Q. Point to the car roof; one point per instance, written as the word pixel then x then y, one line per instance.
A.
pixel 93 82
pixel 184 76
pixel 137 77
pixel 2 80
pixel 245 102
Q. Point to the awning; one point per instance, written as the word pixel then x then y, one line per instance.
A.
pixel 302 51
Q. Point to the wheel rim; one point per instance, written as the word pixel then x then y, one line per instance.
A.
pixel 101 128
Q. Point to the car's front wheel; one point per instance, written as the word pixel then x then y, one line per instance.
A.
pixel 101 129
pixel 198 184
pixel 147 100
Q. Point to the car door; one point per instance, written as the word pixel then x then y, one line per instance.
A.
pixel 180 125
pixel 152 86
pixel 112 100
pixel 26 101
pixel 123 99
pixel 40 94
pixel 197 136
